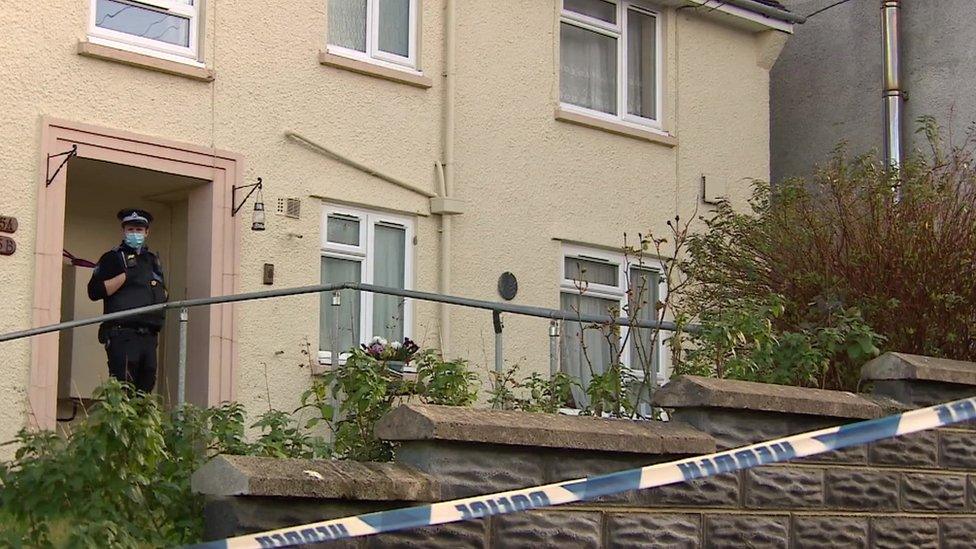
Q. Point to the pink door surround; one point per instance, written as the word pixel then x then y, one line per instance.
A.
pixel 214 247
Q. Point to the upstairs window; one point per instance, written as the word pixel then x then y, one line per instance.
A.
pixel 381 31
pixel 168 27
pixel 610 57
pixel 372 248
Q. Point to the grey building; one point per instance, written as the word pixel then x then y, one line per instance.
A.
pixel 827 84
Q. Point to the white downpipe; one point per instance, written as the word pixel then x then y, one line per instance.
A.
pixel 450 47
pixel 446 170
pixel 445 275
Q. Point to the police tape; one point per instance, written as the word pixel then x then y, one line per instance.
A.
pixel 513 501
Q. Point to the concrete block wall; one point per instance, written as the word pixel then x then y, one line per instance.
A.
pixel 913 491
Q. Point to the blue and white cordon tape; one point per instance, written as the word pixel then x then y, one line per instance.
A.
pixel 783 449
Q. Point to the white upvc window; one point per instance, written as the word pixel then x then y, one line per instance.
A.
pixel 165 28
pixel 378 31
pixel 598 282
pixel 373 248
pixel 611 60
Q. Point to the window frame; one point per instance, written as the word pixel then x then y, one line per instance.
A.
pixel 148 46
pixel 364 253
pixel 373 53
pixel 619 293
pixel 661 351
pixel 619 32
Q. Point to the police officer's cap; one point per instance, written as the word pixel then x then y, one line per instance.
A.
pixel 134 216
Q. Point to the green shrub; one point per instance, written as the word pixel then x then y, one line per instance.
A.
pixel 547 395
pixel 534 393
pixel 824 272
pixel 366 389
pixel 121 476
pixel 742 343
pixel 501 395
pixel 448 383
pixel 114 479
pixel 613 392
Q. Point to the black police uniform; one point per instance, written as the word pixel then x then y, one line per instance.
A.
pixel 130 343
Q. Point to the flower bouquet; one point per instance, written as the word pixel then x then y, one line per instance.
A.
pixel 397 356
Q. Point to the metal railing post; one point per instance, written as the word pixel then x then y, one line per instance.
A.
pixel 336 303
pixel 181 371
pixel 655 364
pixel 553 347
pixel 496 319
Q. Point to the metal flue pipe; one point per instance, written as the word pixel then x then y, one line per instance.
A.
pixel 894 96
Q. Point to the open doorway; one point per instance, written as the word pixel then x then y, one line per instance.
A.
pixel 189 190
pixel 96 191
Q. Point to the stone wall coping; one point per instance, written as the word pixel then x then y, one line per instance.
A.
pixel 704 392
pixel 903 366
pixel 227 475
pixel 412 422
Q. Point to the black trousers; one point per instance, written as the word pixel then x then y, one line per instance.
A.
pixel 132 357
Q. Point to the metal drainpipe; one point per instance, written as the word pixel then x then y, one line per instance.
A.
pixel 445 267
pixel 894 97
pixel 447 171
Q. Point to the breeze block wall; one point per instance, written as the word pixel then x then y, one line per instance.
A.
pixel 915 491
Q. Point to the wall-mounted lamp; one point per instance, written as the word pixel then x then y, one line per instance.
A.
pixel 257 218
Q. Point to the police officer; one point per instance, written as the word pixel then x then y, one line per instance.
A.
pixel 126 277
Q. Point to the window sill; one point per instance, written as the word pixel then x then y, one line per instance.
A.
pixel 372 69
pixel 108 53
pixel 618 128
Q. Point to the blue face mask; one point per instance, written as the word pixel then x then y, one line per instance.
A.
pixel 135 240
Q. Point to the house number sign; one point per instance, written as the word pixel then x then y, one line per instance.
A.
pixel 8 224
pixel 7 244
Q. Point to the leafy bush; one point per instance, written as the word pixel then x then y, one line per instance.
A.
pixel 613 392
pixel 366 389
pixel 121 477
pixel 534 393
pixel 501 395
pixel 821 273
pixel 547 395
pixel 448 383
pixel 742 343
pixel 109 480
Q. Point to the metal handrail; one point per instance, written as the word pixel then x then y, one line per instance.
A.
pixel 525 310
pixel 495 307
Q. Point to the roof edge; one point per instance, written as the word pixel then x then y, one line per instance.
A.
pixel 754 12
pixel 775 11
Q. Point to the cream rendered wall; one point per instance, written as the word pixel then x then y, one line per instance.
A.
pixel 533 181
pixel 528 179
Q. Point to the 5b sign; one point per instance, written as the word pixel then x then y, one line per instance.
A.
pixel 7 246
